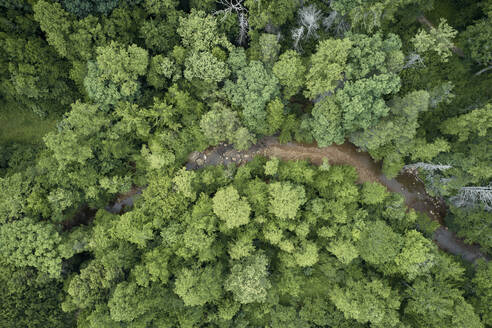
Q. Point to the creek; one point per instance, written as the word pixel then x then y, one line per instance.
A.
pixel 406 183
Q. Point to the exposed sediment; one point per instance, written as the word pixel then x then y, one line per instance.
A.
pixel 407 184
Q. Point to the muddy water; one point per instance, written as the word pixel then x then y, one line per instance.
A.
pixel 407 184
pixel 124 201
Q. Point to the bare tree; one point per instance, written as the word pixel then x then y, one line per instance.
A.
pixel 243 28
pixel 342 27
pixel 427 166
pixel 483 70
pixel 472 196
pixel 322 96
pixel 271 29
pixel 230 6
pixel 413 59
pixel 235 6
pixel 297 35
pixel 328 21
pixel 309 17
pixel 441 94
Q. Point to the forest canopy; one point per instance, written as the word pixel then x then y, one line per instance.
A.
pixel 244 163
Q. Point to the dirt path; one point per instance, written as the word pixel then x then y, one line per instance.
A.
pixel 406 184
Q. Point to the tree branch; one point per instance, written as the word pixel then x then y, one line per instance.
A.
pixel 483 70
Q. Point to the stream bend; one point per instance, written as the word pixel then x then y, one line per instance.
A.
pixel 406 184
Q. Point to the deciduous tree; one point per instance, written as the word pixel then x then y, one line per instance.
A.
pixel 439 40
pixel 326 67
pixel 290 70
pixel 253 88
pixel 248 280
pixel 229 207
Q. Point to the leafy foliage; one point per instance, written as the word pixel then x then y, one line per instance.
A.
pixel 326 68
pixel 103 102
pixel 439 39
pixel 253 88
pixel 290 70
pixel 27 243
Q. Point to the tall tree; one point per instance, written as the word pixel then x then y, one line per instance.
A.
pixel 248 280
pixel 27 243
pixel 290 70
pixel 252 89
pixel 368 300
pixel 326 67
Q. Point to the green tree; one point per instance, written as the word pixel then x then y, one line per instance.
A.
pixel 232 209
pixel 425 151
pixel 439 40
pixel 374 15
pixel 275 115
pixel 27 243
pixel 379 245
pixel 477 39
pixel 362 102
pixel 89 287
pixel 253 88
pixel 373 193
pixel 369 66
pixel 199 286
pixel 159 28
pixel 84 8
pixel 248 280
pixel 326 67
pixel 34 76
pixel 326 122
pixel 95 169
pixel 198 31
pixel 275 12
pixel 474 225
pixel 161 70
pixel 286 199
pixel 374 53
pixel 373 63
pixel 271 167
pixel 222 124
pixel 290 71
pixel 269 49
pixel 482 289
pixel 368 300
pixel 115 73
pixel 206 67
pixel 416 257
pixel 435 304
pixel 31 300
pixel 55 22
pixel 478 122
pixel 14 203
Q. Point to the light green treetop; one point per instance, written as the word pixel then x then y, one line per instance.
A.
pixel 326 67
pixel 290 71
pixel 248 280
pixel 229 207
pixel 439 40
pixel 286 199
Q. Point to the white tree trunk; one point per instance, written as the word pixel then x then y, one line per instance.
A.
pixel 471 196
pixel 427 166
